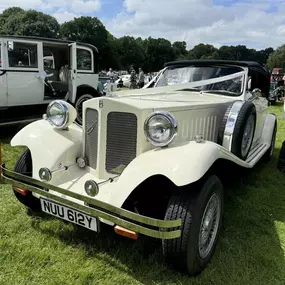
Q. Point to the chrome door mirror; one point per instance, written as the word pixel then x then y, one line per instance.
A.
pixel 256 92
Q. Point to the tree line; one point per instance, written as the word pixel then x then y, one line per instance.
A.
pixel 121 53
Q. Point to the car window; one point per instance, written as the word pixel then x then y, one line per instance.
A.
pixel 0 55
pixel 23 55
pixel 84 59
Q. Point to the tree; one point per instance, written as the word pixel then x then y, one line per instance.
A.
pixel 277 58
pixel 202 51
pixel 159 51
pixel 86 30
pixel 130 52
pixel 180 50
pixel 121 53
pixel 16 21
pixel 110 53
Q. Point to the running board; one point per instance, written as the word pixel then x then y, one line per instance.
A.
pixel 257 150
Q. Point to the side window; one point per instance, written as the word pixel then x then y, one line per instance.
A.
pixel 84 59
pixel 0 55
pixel 23 55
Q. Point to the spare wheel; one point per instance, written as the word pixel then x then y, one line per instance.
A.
pixel 239 123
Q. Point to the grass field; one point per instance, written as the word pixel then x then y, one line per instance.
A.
pixel 43 250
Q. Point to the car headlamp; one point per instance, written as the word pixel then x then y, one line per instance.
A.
pixel 60 114
pixel 160 128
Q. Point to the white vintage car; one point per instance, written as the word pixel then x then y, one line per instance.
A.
pixel 35 71
pixel 150 161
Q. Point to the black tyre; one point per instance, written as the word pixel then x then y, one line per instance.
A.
pixel 201 210
pixel 268 155
pixel 24 166
pixel 244 130
pixel 79 106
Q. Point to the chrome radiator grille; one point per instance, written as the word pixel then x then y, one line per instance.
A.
pixel 121 145
pixel 91 137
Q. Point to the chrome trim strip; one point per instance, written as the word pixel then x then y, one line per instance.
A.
pixel 231 123
pixel 105 211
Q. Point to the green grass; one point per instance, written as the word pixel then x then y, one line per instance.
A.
pixel 43 250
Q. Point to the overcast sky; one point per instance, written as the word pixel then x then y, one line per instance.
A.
pixel 254 23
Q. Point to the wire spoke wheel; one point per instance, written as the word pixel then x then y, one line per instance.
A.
pixel 209 225
pixel 247 135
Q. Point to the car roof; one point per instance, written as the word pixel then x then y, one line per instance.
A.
pixel 52 40
pixel 250 64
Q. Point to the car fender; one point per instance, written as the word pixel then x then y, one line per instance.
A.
pixel 53 146
pixel 182 164
pixel 268 121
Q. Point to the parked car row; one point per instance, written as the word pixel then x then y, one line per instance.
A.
pixel 149 161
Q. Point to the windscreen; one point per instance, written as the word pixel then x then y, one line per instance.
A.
pixel 228 79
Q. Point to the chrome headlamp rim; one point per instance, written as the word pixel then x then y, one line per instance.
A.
pixel 173 122
pixel 65 108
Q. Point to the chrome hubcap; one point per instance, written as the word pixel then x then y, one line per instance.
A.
pixel 247 135
pixel 209 225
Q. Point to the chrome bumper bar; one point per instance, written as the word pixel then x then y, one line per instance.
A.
pixel 121 217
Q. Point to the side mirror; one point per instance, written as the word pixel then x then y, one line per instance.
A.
pixel 256 92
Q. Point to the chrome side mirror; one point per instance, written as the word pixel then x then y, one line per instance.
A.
pixel 256 92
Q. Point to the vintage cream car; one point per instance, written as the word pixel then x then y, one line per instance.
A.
pixel 150 161
pixel 35 71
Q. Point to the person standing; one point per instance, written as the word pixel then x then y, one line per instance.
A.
pixel 111 74
pixel 133 79
pixel 141 78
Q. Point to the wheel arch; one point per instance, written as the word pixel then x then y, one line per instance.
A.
pixel 85 89
pixel 182 164
pixel 152 195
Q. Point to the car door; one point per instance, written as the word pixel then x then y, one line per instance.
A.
pixel 25 86
pixel 72 84
pixel 3 78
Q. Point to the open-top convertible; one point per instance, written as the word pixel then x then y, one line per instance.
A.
pixel 148 161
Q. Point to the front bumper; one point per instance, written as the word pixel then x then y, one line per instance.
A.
pixel 162 229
